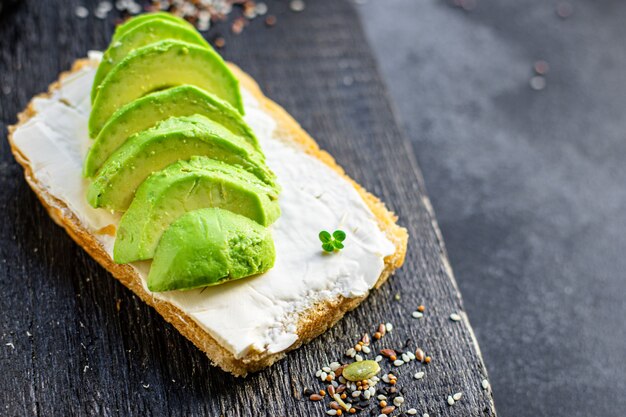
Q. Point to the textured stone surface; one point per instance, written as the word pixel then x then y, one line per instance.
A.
pixel 528 186
pixel 73 341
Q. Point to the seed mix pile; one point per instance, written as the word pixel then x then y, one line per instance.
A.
pixel 355 385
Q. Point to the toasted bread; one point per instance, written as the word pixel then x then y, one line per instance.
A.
pixel 311 322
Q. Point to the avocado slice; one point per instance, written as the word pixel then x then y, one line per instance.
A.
pixel 185 186
pixel 158 66
pixel 208 247
pixel 148 32
pixel 145 112
pixel 135 21
pixel 177 138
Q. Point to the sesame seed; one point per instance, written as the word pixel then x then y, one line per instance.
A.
pixel 260 9
pixel 485 384
pixel 331 412
pixel 398 401
pixel 366 349
pixel 398 362
pixel 351 352
pixel 425 415
pixel 405 357
pixel 538 83
pixel 367 394
pixel 419 375
pixel 323 376
pixel 318 373
pixel 81 12
pixel 450 400
pixel 411 411
pixel 297 5
pixel 397 297
pixel 389 327
pixel 378 358
pixel 411 355
pixel 381 397
pixel 326 369
pixel 334 366
pixel 457 396
pixel 455 317
pixel 356 393
pixel 417 315
pixel 358 358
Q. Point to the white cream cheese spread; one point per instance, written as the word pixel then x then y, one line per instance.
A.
pixel 259 312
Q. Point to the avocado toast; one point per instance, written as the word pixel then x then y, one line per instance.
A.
pixel 285 145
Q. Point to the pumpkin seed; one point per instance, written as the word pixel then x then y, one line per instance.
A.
pixel 358 371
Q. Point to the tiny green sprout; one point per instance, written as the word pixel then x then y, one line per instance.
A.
pixel 331 243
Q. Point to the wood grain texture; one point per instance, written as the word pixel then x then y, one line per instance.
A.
pixel 75 342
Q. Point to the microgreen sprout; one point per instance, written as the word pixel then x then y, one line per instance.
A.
pixel 332 242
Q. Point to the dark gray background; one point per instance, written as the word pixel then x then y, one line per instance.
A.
pixel 528 186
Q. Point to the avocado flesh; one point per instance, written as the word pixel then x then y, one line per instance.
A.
pixel 208 247
pixel 158 66
pixel 147 111
pixel 177 138
pixel 185 186
pixel 148 32
pixel 133 22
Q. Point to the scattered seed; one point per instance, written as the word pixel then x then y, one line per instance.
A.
pixel 397 297
pixel 398 401
pixel 455 317
pixel 411 355
pixel 457 396
pixel 538 83
pixel 417 315
pixel 297 5
pixel 367 394
pixel 485 384
pixel 541 67
pixel 322 393
pixel 358 358
pixel 323 376
pixel 419 375
pixel 358 371
pixel 81 12
pixel 270 21
pixel 220 42
pixel 366 349
pixel 405 357
pixel 421 308
pixel 378 358
pixel 419 355
pixel 564 10
pixel 331 412
pixel 389 327
pixel 450 400
pixel 398 362
pixel 356 393
pixel 334 365
pixel 387 410
pixel 425 415
pixel 411 411
pixel 382 404
pixel 427 359
pixel 381 397
pixel 315 397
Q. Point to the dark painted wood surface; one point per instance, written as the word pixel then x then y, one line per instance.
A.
pixel 73 341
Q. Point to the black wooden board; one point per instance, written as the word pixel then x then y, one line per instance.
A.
pixel 73 341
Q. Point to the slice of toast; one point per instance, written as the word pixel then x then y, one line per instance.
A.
pixel 311 322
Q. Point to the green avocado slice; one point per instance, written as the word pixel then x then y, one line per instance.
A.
pixel 177 138
pixel 185 186
pixel 209 247
pixel 148 32
pixel 147 111
pixel 135 21
pixel 158 66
